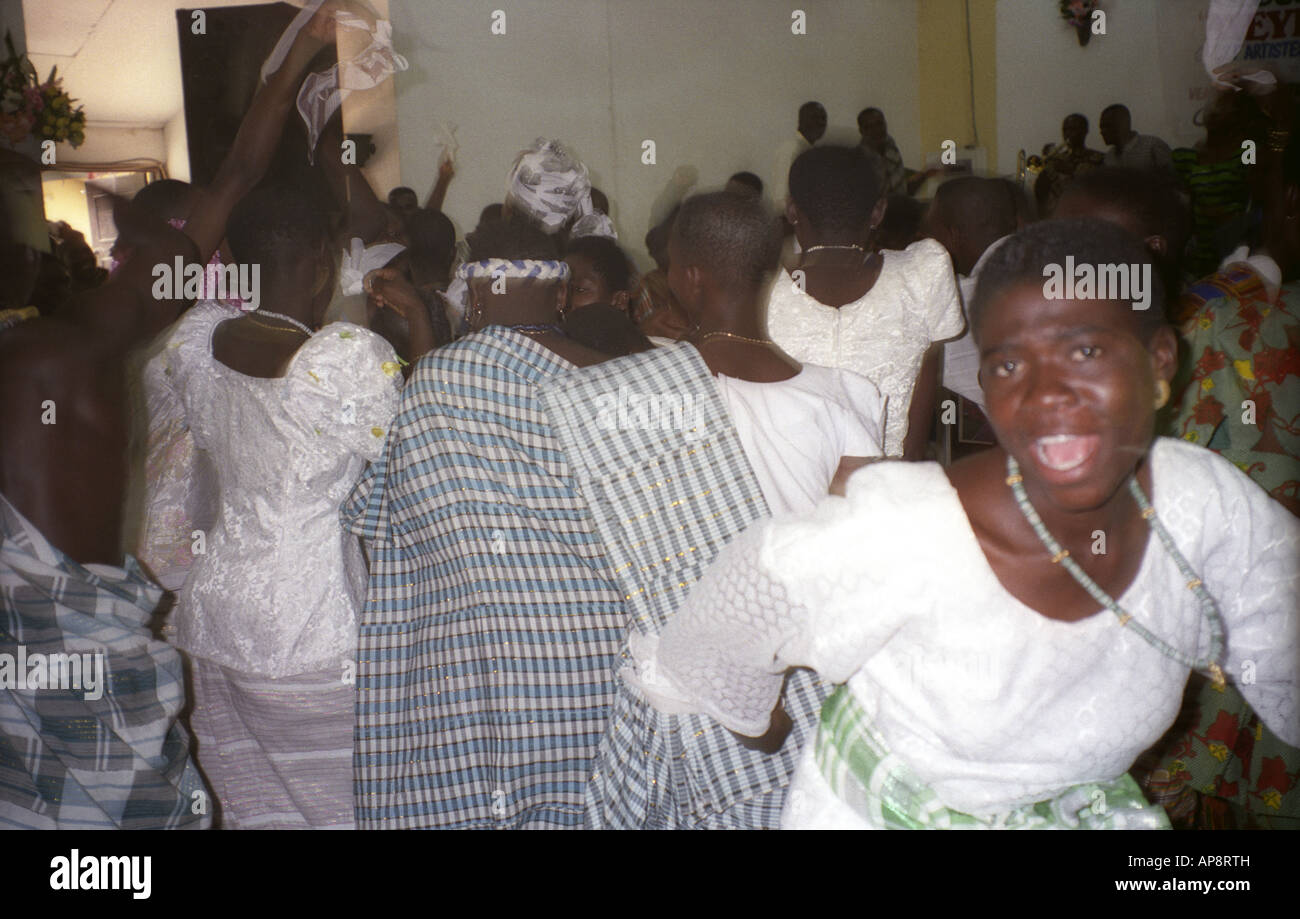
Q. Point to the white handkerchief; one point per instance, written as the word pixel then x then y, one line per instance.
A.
pixel 360 261
pixel 1225 32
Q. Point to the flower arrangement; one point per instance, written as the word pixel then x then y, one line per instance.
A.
pixel 29 106
pixel 1078 13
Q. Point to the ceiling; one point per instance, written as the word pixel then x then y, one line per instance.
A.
pixel 118 58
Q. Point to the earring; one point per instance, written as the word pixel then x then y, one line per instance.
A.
pixel 1162 393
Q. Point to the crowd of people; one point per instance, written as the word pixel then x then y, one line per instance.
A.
pixel 500 532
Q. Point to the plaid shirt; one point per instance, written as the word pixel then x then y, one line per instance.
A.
pixel 67 761
pixel 491 624
pixel 667 495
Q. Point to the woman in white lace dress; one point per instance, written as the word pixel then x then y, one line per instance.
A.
pixel 881 315
pixel 268 616
pixel 1014 631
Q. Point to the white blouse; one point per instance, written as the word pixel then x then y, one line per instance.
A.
pixel 795 431
pixel 277 590
pixel 991 704
pixel 884 334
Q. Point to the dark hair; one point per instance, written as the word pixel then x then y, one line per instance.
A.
pixel 1116 108
pixel 432 242
pixel 1291 159
pixel 656 240
pixel 609 261
pixel 1023 258
pixel 1150 197
pixel 167 199
pixel 809 109
pixel 599 201
pixel 835 188
pixel 862 116
pixel 1153 199
pixel 902 222
pixel 512 238
pixel 747 178
pixel 1076 115
pixel 732 234
pixel 984 207
pixel 605 329
pixel 399 190
pixel 489 213
pixel 273 223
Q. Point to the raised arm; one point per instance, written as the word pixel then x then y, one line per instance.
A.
pixel 259 135
pixel 365 216
pixel 439 193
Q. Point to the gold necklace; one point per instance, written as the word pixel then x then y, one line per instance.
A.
pixel 300 328
pixel 753 341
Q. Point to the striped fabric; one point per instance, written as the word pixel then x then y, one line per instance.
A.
pixel 883 791
pixel 666 497
pixel 277 753
pixel 491 625
pixel 1220 196
pixel 67 760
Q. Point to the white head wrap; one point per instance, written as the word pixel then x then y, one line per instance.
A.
pixel 549 185
pixel 594 224
pixel 539 269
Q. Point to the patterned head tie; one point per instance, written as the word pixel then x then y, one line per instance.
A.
pixel 538 269
pixel 595 224
pixel 549 185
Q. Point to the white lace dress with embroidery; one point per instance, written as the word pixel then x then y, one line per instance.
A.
pixel 991 704
pixel 884 334
pixel 278 588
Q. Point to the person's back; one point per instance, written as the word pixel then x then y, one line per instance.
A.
pixel 491 626
pixel 277 589
pixel 879 315
pixel 268 614
pixel 63 576
pixel 794 426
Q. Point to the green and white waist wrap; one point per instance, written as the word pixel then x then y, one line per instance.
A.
pixel 879 787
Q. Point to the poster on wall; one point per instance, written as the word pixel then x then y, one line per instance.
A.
pixel 1273 39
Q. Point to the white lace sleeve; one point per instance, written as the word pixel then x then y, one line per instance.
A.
pixel 824 590
pixel 1252 565
pixel 721 650
pixel 346 383
pixel 940 300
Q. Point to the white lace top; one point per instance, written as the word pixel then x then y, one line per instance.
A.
pixel 992 704
pixel 884 335
pixel 794 431
pixel 278 588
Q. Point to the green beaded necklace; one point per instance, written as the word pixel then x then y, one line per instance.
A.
pixel 1062 556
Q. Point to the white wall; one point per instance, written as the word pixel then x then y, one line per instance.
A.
pixel 109 143
pixel 177 148
pixel 716 85
pixel 1043 74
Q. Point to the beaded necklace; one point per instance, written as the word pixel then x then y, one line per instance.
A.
pixel 538 329
pixel 1061 556
pixel 289 319
pixel 849 247
pixel 745 338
